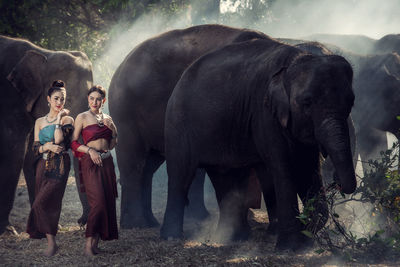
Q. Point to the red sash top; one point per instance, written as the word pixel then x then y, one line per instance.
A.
pixel 94 131
pixel 90 133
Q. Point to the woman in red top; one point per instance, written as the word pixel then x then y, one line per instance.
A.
pixel 99 135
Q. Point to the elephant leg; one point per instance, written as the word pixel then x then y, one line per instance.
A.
pixel 287 210
pixel 131 162
pixel 269 198
pixel 231 191
pixel 29 170
pixel 181 169
pixel 371 142
pixel 82 196
pixel 196 208
pixel 11 163
pixel 153 162
pixel 309 187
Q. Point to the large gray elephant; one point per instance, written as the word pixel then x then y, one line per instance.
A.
pixel 377 90
pixel 258 104
pixel 138 95
pixel 26 73
pixel 376 86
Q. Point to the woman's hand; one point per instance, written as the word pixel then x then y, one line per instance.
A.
pixel 95 156
pixel 52 147
pixel 62 113
pixel 110 124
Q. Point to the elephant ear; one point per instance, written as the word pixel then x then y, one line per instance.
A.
pixel 277 98
pixel 27 79
pixel 392 65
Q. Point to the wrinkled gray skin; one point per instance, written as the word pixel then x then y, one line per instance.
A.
pixel 26 73
pixel 327 169
pixel 377 90
pixel 138 95
pixel 264 105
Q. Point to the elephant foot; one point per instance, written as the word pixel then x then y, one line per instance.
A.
pixel 3 226
pixel 272 228
pixel 241 235
pixel 9 229
pixel 170 233
pixel 83 220
pixel 152 221
pixel 197 213
pixel 139 222
pixel 293 242
pixel 226 233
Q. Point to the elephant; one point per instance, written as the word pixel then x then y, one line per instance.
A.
pixel 387 44
pixel 265 105
pixel 138 96
pixel 377 89
pixel 357 43
pixel 27 71
pixel 360 44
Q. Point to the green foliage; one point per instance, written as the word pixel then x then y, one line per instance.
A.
pixel 83 25
pixel 380 187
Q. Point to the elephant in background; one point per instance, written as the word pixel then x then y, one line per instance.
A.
pixel 138 96
pixel 265 105
pixel 387 44
pixel 359 43
pixel 26 73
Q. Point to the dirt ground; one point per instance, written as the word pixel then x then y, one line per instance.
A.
pixel 143 247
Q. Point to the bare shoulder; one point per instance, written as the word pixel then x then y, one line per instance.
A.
pixel 81 116
pixel 39 122
pixel 67 120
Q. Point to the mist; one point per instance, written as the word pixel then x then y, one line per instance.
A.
pixel 291 19
pixel 373 18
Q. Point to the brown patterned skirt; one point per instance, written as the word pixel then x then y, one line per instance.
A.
pixel 46 209
pixel 101 191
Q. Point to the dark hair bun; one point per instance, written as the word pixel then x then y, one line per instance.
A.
pixel 58 83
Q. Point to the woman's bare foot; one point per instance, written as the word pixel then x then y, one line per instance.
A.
pixel 96 250
pixel 50 250
pixel 89 252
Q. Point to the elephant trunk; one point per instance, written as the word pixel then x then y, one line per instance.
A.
pixel 333 135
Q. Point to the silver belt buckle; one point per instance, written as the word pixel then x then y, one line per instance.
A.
pixel 105 155
pixel 45 155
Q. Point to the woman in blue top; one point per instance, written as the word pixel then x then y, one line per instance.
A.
pixel 52 140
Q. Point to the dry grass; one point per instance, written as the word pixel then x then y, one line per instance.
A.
pixel 143 247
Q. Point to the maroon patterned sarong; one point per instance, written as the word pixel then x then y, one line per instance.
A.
pixel 101 190
pixel 46 209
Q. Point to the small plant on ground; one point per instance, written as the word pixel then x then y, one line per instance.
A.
pixel 379 193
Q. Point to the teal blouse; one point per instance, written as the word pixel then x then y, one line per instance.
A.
pixel 46 134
